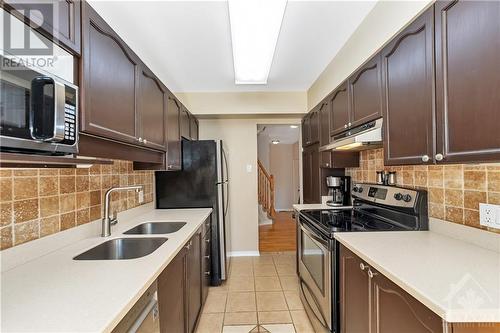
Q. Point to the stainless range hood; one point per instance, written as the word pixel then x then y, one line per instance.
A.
pixel 367 136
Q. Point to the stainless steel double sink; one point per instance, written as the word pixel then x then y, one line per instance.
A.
pixel 132 248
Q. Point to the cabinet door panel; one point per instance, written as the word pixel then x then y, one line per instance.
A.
pixel 408 102
pixel 185 123
pixel 339 109
pixel 365 90
pixel 468 80
pixel 172 297
pixel 315 175
pixel 194 280
pixel 109 80
pixel 306 175
pixel 152 110
pixel 354 294
pixel 314 127
pixel 174 151
pixel 194 127
pixel 394 310
pixel 324 123
pixel 207 264
pixel 60 20
pixel 306 135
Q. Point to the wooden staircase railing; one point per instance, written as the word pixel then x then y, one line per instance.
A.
pixel 266 191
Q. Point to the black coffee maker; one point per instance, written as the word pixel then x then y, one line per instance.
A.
pixel 338 191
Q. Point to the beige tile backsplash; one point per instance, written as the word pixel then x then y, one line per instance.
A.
pixel 454 190
pixel 38 202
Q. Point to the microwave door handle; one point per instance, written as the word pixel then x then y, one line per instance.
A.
pixel 39 112
pixel 59 110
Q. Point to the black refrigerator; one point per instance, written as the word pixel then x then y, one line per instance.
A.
pixel 202 183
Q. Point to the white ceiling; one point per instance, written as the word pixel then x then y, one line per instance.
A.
pixel 188 43
pixel 284 133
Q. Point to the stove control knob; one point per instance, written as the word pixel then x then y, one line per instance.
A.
pixel 355 189
pixel 406 198
pixel 360 190
pixel 398 196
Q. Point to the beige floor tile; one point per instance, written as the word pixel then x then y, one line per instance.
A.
pixel 265 270
pixel 242 269
pixel 285 259
pixel 301 322
pixel 240 318
pixel 293 300
pixel 210 323
pixel 271 301
pixel 241 283
pixel 216 302
pixel 240 302
pixel 263 260
pixel 267 283
pixel 286 269
pixel 289 282
pixel 274 317
pixel 242 260
pixel 279 328
pixel 238 329
pixel 219 289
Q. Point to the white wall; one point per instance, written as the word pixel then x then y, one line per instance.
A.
pixel 281 167
pixel 383 22
pixel 240 140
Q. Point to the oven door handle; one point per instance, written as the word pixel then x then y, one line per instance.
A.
pixel 322 320
pixel 313 236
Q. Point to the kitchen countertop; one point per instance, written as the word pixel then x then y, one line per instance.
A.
pixel 299 207
pixel 439 271
pixel 54 293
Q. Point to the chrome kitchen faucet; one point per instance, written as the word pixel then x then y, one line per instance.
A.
pixel 108 221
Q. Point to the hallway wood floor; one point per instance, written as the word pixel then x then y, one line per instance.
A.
pixel 279 236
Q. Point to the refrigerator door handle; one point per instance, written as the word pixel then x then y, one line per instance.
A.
pixel 222 230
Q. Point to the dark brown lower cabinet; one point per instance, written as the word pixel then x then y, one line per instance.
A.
pixel 171 295
pixel 206 264
pixel 181 287
pixel 370 302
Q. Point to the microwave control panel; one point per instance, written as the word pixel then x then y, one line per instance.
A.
pixel 70 116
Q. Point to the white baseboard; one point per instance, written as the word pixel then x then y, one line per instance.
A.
pixel 244 254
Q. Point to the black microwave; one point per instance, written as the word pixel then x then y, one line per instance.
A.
pixel 38 104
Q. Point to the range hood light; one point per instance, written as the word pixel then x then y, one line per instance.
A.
pixel 350 146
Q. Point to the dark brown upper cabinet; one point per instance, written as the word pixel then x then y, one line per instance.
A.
pixel 61 20
pixel 109 82
pixel 152 108
pixel 174 147
pixel 339 109
pixel 467 37
pixel 408 93
pixel 310 128
pixel 194 127
pixel 185 123
pixel 311 174
pixel 324 123
pixel 365 93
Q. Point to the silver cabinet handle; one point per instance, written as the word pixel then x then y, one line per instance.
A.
pixel 345 126
pixel 327 164
pixel 207 240
pixel 425 158
pixel 207 273
pixel 363 266
pixel 371 274
pixel 140 139
pixel 207 257
pixel 439 157
pixel 170 166
pixel 145 141
pixel 349 124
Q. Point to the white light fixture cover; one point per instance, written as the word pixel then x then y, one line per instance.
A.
pixel 275 141
pixel 255 26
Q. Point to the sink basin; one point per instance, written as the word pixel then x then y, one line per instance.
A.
pixel 122 248
pixel 155 228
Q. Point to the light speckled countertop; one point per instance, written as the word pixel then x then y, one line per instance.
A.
pixel 54 293
pixel 457 280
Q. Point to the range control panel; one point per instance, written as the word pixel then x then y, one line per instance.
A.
pixel 387 195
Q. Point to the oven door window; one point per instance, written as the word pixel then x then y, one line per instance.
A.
pixel 313 257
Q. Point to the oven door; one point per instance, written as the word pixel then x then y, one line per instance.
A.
pixel 315 271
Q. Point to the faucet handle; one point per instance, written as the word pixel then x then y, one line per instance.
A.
pixel 114 219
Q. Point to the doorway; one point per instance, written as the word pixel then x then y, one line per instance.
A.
pixel 278 151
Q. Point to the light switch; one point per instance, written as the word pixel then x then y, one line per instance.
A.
pixel 249 168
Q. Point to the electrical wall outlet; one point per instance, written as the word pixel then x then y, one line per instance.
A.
pixel 489 215
pixel 141 197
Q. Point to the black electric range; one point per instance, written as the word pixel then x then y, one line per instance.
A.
pixel 375 208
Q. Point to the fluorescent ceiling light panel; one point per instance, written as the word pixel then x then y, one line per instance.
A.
pixel 255 26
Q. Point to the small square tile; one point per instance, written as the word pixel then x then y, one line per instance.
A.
pixel 271 301
pixel 264 270
pixel 454 197
pixel 454 214
pixel 274 317
pixel 289 282
pixel 6 239
pixel 475 180
pixel 82 200
pixel 25 210
pixel 240 318
pixel 68 221
pixel 25 188
pixel 25 232
pixel 5 189
pixel 6 213
pixel 49 206
pixel 473 198
pixel 216 302
pixel 82 183
pixel 293 300
pixel 301 322
pixel 67 184
pixel 267 283
pixel 240 302
pixel 210 323
pixel 67 203
pixel 242 283
pixel 83 216
pixel 49 186
pixel 49 225
pixel 286 269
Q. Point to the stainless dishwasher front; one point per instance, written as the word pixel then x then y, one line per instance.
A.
pixel 143 317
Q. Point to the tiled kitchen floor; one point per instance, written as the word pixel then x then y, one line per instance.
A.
pixel 261 295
